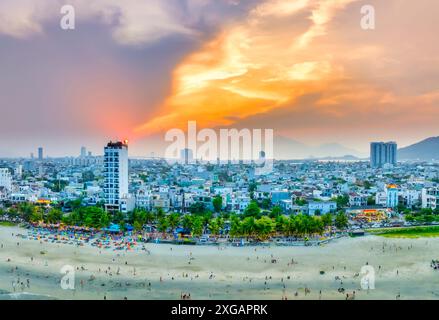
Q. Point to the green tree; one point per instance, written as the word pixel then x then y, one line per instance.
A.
pixel 342 201
pixel 327 220
pixel 149 217
pixel 197 226
pixel 264 227
pixel 137 226
pixel 159 214
pixel 54 216
pixel 371 201
pixel 197 208
pixel 163 224
pixel 275 212
pixel 236 227
pixel 341 221
pixel 217 203
pixel 104 221
pixel 36 215
pixel 214 227
pixel 252 210
pixel 187 222
pixel 248 226
pixel 174 220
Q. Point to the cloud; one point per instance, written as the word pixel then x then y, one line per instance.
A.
pixel 250 67
pixel 322 13
pixel 20 18
pixel 131 22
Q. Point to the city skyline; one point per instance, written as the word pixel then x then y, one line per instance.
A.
pixel 238 64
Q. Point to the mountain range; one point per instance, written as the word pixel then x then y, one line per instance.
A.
pixel 286 148
pixel 425 150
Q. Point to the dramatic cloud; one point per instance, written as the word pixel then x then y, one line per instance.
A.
pixel 368 83
pixel 137 68
pixel 252 67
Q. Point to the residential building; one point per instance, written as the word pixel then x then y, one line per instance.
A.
pixel 116 176
pixel 382 153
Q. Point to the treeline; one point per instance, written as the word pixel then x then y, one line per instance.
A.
pixel 254 222
pixel 426 215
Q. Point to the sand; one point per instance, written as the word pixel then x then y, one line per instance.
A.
pixel 402 270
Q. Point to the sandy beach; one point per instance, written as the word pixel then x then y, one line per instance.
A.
pixel 31 270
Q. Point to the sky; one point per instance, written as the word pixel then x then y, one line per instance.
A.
pixel 134 69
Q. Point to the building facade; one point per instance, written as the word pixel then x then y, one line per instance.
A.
pixel 382 153
pixel 430 198
pixel 40 153
pixel 5 179
pixel 116 175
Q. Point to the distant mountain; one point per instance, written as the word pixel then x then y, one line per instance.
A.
pixel 286 148
pixel 425 150
pixel 346 157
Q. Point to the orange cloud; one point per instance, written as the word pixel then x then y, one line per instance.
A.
pixel 251 67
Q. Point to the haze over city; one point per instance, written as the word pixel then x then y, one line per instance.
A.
pixel 135 69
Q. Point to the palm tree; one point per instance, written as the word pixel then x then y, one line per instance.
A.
pixel 187 222
pixel 213 226
pixel 248 226
pixel 149 217
pixel 163 224
pixel 264 226
pixel 236 227
pixel 174 220
pixel 197 226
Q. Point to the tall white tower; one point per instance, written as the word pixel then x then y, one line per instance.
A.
pixel 5 179
pixel 116 175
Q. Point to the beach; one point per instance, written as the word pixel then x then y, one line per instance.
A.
pixel 30 269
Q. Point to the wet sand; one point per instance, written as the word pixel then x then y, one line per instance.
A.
pixel 402 268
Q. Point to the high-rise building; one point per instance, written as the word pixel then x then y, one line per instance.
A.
pixel 116 175
pixel 382 153
pixel 5 179
pixel 40 153
pixel 83 152
pixel 19 170
pixel 186 156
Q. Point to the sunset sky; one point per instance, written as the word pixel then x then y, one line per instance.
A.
pixel 136 68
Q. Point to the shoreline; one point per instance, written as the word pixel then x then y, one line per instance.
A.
pixel 222 273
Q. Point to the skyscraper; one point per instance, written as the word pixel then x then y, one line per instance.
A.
pixel 83 152
pixel 40 153
pixel 116 175
pixel 186 156
pixel 382 153
pixel 5 179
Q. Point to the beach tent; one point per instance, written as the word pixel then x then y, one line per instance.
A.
pixel 114 228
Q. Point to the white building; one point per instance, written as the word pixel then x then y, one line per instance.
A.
pixel 116 177
pixel 410 198
pixel 357 200
pixel 323 207
pixel 430 198
pixel 5 179
pixel 18 170
pixel 392 196
pixel 389 197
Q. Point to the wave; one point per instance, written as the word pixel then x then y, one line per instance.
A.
pixel 4 295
